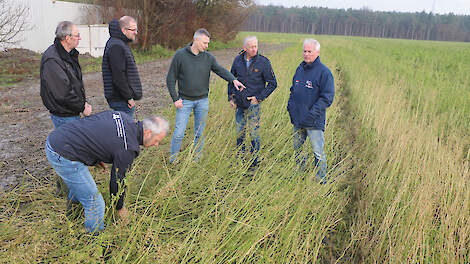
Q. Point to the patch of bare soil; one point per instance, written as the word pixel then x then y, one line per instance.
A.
pixel 25 122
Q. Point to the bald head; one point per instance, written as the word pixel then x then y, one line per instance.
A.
pixel 128 27
pixel 125 21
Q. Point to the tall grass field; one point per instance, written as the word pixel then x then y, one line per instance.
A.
pixel 397 144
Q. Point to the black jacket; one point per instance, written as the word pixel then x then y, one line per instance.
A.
pixel 258 78
pixel 120 74
pixel 110 136
pixel 62 90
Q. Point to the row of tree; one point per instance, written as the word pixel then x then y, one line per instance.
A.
pixel 172 23
pixel 363 22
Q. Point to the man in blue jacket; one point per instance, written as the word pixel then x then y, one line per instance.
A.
pixel 121 79
pixel 311 93
pixel 255 72
pixel 107 137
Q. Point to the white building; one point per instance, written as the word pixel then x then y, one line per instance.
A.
pixel 44 15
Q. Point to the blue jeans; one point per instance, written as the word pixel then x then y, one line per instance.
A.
pixel 318 142
pixel 122 107
pixel 82 188
pixel 200 108
pixel 248 119
pixel 57 121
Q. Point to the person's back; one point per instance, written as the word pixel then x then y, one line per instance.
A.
pixel 107 137
pixel 100 137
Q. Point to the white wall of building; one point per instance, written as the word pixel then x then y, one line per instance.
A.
pixel 44 15
pixel 93 40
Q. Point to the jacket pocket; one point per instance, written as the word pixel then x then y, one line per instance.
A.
pixel 240 99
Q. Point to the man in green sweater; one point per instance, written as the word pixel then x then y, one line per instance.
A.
pixel 191 67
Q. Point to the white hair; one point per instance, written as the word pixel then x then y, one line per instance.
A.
pixel 314 42
pixel 156 124
pixel 248 39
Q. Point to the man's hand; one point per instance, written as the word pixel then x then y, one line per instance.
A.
pixel 123 214
pixel 179 103
pixel 101 165
pixel 238 85
pixel 87 110
pixel 233 104
pixel 130 103
pixel 253 100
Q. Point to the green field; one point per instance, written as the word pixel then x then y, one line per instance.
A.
pixel 397 146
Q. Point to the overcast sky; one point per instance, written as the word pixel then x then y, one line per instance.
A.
pixel 458 7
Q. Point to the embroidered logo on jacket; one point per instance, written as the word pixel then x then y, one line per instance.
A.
pixel 308 84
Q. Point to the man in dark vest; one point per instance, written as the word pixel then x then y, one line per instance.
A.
pixel 120 74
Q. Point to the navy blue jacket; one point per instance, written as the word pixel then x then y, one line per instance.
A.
pixel 312 91
pixel 259 79
pixel 121 79
pixel 109 136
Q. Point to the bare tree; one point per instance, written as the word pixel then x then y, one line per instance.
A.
pixel 13 21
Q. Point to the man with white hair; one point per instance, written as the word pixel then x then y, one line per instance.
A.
pixel 255 72
pixel 106 137
pixel 191 67
pixel 312 91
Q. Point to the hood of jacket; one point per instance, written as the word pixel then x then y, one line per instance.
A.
pixel 310 66
pixel 116 32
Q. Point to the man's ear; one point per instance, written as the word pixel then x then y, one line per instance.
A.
pixel 147 133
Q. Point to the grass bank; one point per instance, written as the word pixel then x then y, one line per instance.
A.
pixel 395 147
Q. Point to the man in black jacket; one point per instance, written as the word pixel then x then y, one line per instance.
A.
pixel 106 137
pixel 120 74
pixel 62 90
pixel 255 72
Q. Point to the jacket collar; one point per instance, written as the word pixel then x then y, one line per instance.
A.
pixel 116 32
pixel 63 54
pixel 311 65
pixel 188 49
pixel 242 54
pixel 70 57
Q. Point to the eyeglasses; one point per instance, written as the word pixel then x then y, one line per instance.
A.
pixel 77 36
pixel 132 29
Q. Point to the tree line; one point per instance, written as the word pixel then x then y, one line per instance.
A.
pixel 172 23
pixel 363 22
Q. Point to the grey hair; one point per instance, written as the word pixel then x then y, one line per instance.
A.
pixel 314 42
pixel 156 124
pixel 125 21
pixel 64 28
pixel 248 39
pixel 201 32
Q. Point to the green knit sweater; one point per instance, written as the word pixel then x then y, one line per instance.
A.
pixel 192 73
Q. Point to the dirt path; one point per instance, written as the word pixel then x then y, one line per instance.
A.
pixel 25 122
